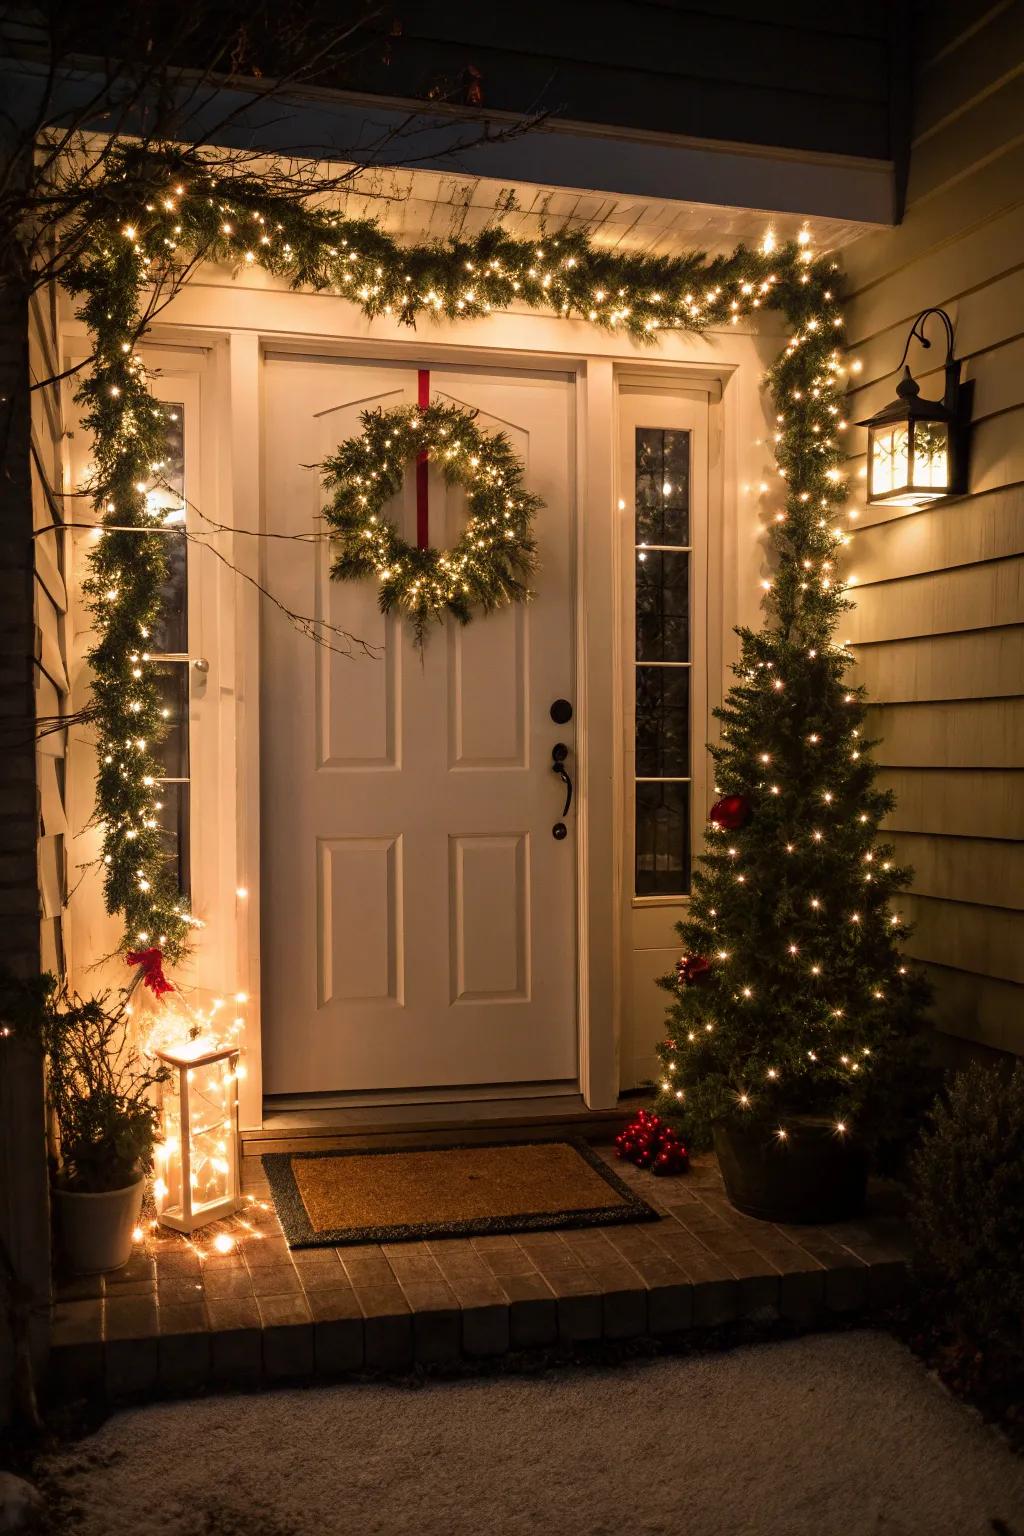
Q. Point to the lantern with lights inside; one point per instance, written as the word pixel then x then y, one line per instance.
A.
pixel 917 449
pixel 197 1159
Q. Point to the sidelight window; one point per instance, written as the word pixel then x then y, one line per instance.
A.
pixel 168 643
pixel 662 661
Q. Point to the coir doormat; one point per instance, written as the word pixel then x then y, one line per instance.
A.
pixel 395 1195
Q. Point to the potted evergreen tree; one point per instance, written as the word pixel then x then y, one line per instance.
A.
pixel 793 1030
pixel 103 1119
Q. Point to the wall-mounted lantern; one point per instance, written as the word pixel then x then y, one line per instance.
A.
pixel 917 449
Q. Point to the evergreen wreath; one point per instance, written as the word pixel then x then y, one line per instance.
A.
pixel 491 563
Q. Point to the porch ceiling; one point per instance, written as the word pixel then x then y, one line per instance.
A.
pixel 418 204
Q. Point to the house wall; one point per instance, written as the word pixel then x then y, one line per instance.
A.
pixel 939 624
pixel 33 682
pixel 50 674
pixel 796 74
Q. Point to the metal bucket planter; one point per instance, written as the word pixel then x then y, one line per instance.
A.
pixel 813 1174
pixel 96 1230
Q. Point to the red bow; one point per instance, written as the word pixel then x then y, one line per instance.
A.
pixel 152 963
pixel 692 968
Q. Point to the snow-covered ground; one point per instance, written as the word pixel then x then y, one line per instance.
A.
pixel 841 1435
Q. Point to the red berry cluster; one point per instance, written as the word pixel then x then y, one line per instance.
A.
pixel 649 1143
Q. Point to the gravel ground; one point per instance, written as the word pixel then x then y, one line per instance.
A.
pixel 841 1435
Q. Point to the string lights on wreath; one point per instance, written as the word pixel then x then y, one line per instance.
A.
pixel 165 213
pixel 492 561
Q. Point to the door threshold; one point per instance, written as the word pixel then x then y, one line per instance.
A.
pixel 359 1126
pixel 452 1095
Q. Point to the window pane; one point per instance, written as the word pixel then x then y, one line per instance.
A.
pixel 169 636
pixel 167 491
pixel 662 839
pixel 931 453
pixel 662 486
pixel 662 606
pixel 174 819
pixel 662 722
pixel 172 752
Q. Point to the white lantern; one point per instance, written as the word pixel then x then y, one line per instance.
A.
pixel 197 1160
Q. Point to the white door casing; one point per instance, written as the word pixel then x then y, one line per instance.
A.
pixel 419 922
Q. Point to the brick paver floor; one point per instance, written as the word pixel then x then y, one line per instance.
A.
pixel 181 1316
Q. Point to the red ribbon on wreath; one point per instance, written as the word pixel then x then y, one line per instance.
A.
pixel 152 963
pixel 422 509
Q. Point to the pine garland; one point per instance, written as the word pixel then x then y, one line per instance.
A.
pixel 159 214
pixel 492 561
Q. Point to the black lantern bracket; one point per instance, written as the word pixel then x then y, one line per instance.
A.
pixel 952 365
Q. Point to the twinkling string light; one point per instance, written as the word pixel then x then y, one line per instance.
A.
pixel 168 212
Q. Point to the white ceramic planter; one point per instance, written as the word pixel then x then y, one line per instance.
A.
pixel 96 1230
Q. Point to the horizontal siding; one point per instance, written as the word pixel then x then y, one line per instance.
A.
pixel 965 68
pixel 982 131
pixel 964 869
pixel 940 602
pixel 981 940
pixel 942 240
pixel 975 733
pixel 796 77
pixel 950 26
pixel 962 802
pixel 978 1008
pixel 938 628
pixel 986 663
pixel 957 533
pixel 983 318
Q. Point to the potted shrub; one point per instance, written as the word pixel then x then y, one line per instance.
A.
pixel 103 1121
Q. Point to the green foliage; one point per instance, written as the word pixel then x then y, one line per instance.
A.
pixel 492 561
pixel 97 1090
pixel 807 1006
pixel 968 1203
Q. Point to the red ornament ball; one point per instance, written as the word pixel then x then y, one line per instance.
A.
pixel 648 1142
pixel 730 813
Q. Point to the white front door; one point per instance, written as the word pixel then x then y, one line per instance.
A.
pixel 418 915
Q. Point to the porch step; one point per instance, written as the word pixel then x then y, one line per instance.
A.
pixel 402 1125
pixel 183 1318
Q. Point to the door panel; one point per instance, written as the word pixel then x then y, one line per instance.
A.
pixel 419 916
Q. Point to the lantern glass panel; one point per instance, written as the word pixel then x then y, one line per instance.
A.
pixel 210 1091
pixel 931 456
pixel 890 458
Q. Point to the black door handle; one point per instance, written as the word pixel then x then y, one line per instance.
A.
pixel 559 753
